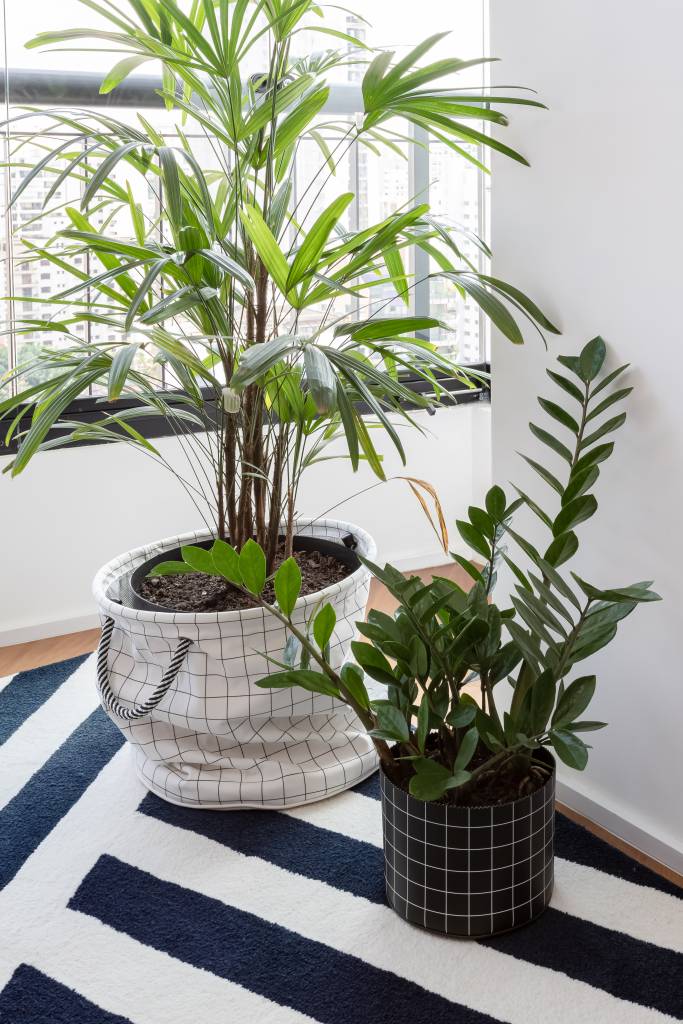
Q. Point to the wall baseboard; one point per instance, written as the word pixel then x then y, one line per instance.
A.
pixel 667 853
pixel 432 559
pixel 45 630
pixel 413 563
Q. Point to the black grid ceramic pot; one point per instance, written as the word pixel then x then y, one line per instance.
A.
pixel 470 871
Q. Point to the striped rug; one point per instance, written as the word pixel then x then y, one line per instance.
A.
pixel 117 907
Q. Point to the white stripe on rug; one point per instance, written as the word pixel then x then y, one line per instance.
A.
pixel 112 970
pixel 27 749
pixel 136 981
pixel 596 896
pixel 5 681
pixel 459 970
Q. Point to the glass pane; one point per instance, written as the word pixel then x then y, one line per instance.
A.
pixel 316 186
pixel 25 20
pixel 34 223
pixel 4 274
pixel 391 24
pixel 384 186
pixel 454 197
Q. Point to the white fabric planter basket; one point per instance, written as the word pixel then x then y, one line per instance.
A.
pixel 181 687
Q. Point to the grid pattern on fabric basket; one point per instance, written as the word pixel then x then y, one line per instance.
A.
pixel 216 739
pixel 468 870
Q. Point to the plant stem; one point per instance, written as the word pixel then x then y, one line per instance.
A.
pixel 363 714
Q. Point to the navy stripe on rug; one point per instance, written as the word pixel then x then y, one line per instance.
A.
pixel 29 690
pixel 344 863
pixel 30 997
pixel 625 967
pixel 606 959
pixel 272 961
pixel 369 787
pixel 49 794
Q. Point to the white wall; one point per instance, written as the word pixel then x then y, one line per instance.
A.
pixel 593 232
pixel 73 510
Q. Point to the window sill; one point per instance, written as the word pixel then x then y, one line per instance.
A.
pixel 88 410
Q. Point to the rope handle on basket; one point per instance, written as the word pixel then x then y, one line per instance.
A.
pixel 139 710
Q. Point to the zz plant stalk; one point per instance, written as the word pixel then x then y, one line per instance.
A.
pixel 427 727
pixel 209 293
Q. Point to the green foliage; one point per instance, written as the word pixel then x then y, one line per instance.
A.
pixel 252 564
pixel 208 293
pixel 287 585
pixel 441 637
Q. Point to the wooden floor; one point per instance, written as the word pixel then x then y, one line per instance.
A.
pixel 21 657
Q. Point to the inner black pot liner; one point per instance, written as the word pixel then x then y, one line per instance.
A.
pixel 129 584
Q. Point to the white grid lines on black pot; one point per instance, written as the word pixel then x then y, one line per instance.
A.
pixel 468 870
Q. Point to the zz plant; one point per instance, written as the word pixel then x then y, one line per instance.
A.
pixel 210 291
pixel 426 724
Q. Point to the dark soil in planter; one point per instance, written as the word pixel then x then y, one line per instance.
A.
pixel 197 592
pixel 516 778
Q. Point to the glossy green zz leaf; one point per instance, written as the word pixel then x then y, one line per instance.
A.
pixel 419 657
pixel 552 442
pixel 171 568
pixel 432 780
pixel 461 715
pixel 545 474
pixel 586 726
pixel 391 724
pixel 592 458
pixel 542 701
pixel 199 559
pixel 606 428
pixel 422 723
pixel 575 512
pixel 636 592
pixel 473 538
pixel 314 682
pixel 591 359
pixel 482 522
pixel 562 549
pixel 287 584
pixel 226 561
pixel 574 700
pixel 252 565
pixel 579 483
pixel 466 749
pixel 352 678
pixel 570 748
pixel 559 414
pixel 323 625
pixel 373 662
pixel 567 385
pixel 495 503
pixel 607 403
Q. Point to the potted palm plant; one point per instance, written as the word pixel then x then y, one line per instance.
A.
pixel 201 315
pixel 468 778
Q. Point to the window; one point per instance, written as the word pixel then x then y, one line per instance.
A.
pixel 454 187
